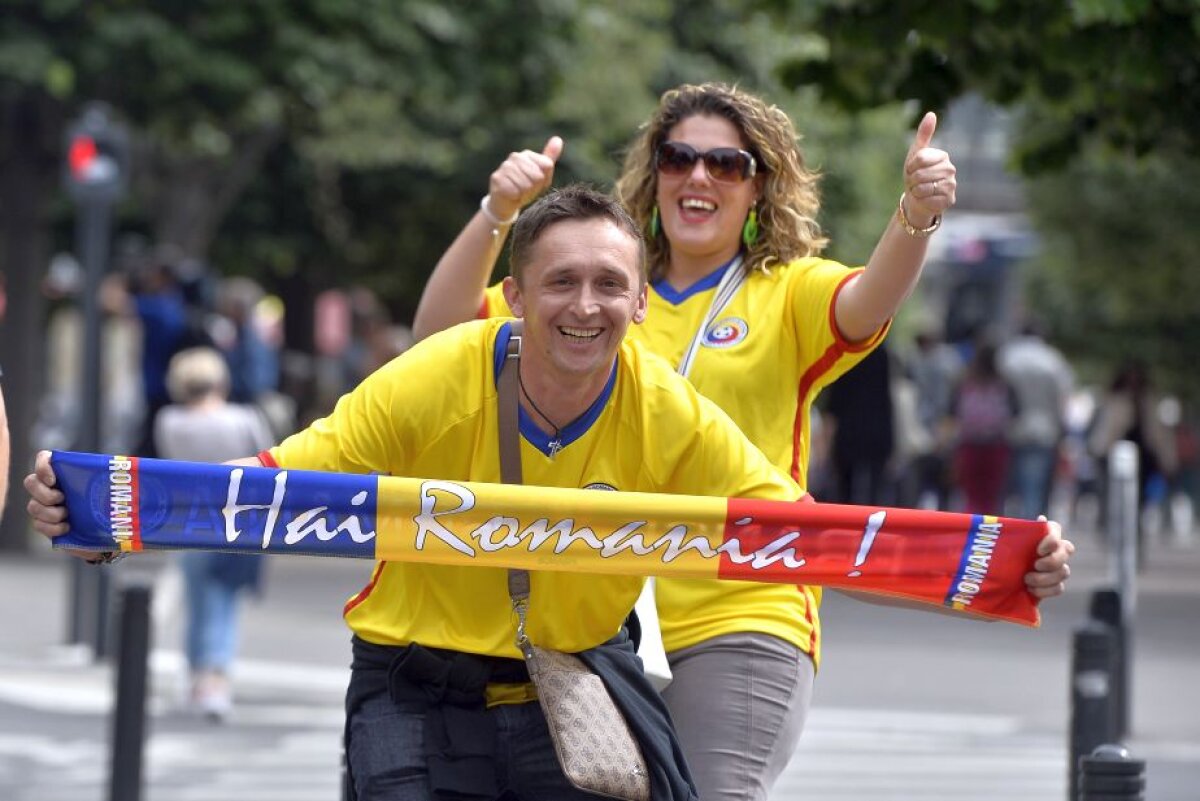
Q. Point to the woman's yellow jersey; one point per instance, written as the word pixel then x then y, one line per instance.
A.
pixel 763 359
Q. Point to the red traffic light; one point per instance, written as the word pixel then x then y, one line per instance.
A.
pixel 96 151
pixel 82 156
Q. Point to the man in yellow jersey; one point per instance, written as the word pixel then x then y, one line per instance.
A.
pixel 439 704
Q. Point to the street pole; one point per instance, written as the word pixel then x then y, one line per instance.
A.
pixel 96 173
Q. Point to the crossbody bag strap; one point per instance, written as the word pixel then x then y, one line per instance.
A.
pixel 510 461
pixel 510 434
pixel 731 282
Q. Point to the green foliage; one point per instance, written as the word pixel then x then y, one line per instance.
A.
pixel 1108 95
pixel 595 81
pixel 1117 275
pixel 327 143
pixel 1122 72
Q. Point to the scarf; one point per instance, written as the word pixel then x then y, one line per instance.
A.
pixel 969 563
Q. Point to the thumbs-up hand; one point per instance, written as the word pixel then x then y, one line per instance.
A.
pixel 522 177
pixel 929 176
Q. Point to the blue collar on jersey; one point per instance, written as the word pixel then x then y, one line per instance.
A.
pixel 529 429
pixel 677 296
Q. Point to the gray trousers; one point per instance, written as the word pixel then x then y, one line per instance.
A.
pixel 739 702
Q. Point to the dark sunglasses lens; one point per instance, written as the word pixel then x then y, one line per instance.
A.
pixel 675 159
pixel 726 164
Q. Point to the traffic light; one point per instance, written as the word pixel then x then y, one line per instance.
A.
pixel 97 156
pixel 95 173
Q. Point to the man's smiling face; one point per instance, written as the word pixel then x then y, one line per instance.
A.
pixel 580 289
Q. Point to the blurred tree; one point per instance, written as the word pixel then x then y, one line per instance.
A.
pixel 321 213
pixel 212 89
pixel 1120 71
pixel 1116 274
pixel 311 143
pixel 1107 98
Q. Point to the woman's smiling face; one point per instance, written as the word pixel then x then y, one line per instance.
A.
pixel 703 218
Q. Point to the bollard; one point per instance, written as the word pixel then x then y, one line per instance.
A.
pixel 1093 718
pixel 129 713
pixel 1110 774
pixel 1125 560
pixel 1124 537
pixel 1106 608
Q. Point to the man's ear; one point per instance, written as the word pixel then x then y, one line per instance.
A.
pixel 639 311
pixel 512 296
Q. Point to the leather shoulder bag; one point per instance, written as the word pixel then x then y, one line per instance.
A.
pixel 597 751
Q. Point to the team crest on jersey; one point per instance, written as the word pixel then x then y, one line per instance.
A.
pixel 725 333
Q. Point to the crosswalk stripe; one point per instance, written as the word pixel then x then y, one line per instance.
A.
pixel 856 755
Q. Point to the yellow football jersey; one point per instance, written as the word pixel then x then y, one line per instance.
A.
pixel 432 413
pixel 763 359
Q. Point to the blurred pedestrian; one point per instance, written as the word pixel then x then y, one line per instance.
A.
pixel 864 435
pixel 4 448
pixel 1082 466
pixel 914 441
pixel 936 369
pixel 1187 479
pixel 253 363
pixel 122 400
pixel 153 294
pixel 202 426
pixel 373 339
pixel 1043 381
pixel 1129 411
pixel 983 408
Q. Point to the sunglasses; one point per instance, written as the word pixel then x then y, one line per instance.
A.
pixel 726 164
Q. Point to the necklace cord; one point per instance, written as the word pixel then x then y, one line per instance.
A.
pixel 528 397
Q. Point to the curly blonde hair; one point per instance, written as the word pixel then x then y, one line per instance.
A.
pixel 789 202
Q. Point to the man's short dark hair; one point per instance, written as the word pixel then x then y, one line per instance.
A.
pixel 574 202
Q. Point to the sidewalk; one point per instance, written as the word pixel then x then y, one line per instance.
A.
pixel 289 680
pixel 293 638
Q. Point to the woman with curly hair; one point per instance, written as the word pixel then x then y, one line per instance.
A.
pixel 741 302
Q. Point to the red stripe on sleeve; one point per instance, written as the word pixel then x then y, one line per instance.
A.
pixel 365 592
pixel 818 368
pixel 266 459
pixel 823 365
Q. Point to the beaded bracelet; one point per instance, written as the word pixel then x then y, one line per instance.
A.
pixel 497 223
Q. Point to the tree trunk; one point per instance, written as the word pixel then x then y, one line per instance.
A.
pixel 196 193
pixel 28 122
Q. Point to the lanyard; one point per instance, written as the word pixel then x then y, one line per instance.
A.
pixel 731 282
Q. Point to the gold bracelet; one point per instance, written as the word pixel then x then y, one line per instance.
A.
pixel 918 233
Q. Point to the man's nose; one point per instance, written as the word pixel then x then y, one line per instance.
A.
pixel 586 300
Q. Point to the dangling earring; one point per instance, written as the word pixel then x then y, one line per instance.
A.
pixel 750 229
pixel 654 226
